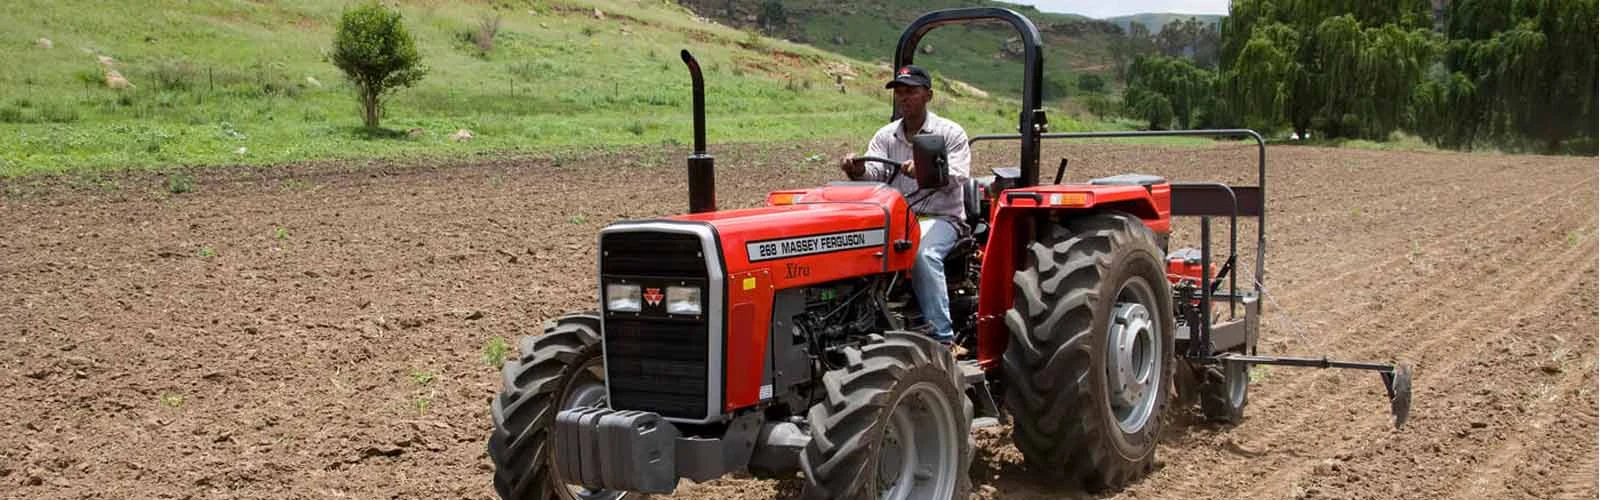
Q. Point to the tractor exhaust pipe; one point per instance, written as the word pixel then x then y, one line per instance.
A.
pixel 702 172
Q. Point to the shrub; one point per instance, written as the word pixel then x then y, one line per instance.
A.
pixel 377 54
pixel 488 26
pixel 1091 83
pixel 174 75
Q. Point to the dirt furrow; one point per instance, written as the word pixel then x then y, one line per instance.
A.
pixel 1366 266
pixel 1382 318
pixel 1542 420
pixel 1577 480
pixel 1472 424
pixel 1446 351
pixel 1263 408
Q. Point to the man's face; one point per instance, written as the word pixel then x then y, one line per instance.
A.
pixel 912 100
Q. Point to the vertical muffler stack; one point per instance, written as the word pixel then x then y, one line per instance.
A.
pixel 702 172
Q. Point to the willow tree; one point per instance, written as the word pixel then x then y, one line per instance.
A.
pixel 1518 74
pixel 1163 89
pixel 1333 65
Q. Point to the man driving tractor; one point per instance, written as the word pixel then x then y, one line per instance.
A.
pixel 941 211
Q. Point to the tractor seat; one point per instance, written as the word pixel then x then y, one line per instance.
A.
pixel 982 183
pixel 1004 178
pixel 969 197
pixel 1130 180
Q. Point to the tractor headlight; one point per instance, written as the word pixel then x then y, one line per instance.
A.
pixel 622 298
pixel 683 300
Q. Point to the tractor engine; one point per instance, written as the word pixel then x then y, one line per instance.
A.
pixel 809 325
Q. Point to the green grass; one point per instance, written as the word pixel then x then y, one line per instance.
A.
pixel 224 82
pixel 422 377
pixel 495 351
pixel 173 400
pixel 1399 141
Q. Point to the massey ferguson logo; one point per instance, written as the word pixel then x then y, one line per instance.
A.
pixel 652 296
pixel 905 71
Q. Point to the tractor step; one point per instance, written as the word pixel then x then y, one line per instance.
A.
pixel 971 373
pixel 1396 378
pixel 986 412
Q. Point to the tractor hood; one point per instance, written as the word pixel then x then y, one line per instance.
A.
pixel 817 235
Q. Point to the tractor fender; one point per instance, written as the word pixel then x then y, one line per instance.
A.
pixel 1011 228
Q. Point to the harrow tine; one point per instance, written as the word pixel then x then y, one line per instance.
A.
pixel 1398 383
pixel 1396 378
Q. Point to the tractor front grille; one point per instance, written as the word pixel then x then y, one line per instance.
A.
pixel 655 361
pixel 657 366
pixel 664 255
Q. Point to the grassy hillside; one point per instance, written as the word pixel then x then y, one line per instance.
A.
pixel 1155 20
pixel 970 53
pixel 238 81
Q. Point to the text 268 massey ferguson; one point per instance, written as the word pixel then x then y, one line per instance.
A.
pixel 770 340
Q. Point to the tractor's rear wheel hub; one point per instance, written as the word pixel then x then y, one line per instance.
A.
pixel 1133 358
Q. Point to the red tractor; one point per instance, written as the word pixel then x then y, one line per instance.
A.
pixel 771 341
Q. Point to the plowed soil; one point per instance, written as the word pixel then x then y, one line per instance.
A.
pixel 317 331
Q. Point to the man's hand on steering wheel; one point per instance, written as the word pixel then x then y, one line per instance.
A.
pixel 853 166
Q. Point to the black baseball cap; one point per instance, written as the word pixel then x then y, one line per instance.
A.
pixel 910 75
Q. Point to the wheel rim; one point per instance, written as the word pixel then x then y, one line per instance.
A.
pixel 918 458
pixel 588 390
pixel 1133 360
pixel 1238 379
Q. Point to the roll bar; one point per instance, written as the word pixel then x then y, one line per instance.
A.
pixel 1031 121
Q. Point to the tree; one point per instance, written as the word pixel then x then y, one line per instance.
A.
pixel 1266 90
pixel 1189 38
pixel 1520 74
pixel 772 17
pixel 1091 83
pixel 1124 49
pixel 1346 68
pixel 377 54
pixel 1162 89
pixel 1152 107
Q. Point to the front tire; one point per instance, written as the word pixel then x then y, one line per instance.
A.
pixel 894 424
pixel 1090 360
pixel 558 370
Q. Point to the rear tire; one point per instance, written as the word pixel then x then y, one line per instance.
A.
pixel 1098 278
pixel 897 408
pixel 560 369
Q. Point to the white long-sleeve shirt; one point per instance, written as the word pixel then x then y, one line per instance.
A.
pixel 890 142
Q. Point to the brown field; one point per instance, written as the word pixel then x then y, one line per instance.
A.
pixel 341 356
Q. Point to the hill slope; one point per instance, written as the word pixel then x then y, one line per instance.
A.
pixel 234 81
pixel 976 54
pixel 1155 20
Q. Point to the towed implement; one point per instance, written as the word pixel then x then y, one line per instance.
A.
pixel 776 340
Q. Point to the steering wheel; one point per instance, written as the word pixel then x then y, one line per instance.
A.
pixel 898 166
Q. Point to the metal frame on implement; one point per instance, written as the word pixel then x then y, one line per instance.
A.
pixel 1210 343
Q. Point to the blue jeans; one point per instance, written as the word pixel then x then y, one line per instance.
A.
pixel 927 276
